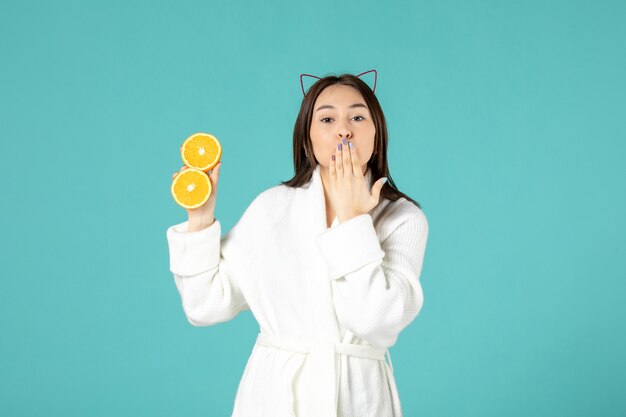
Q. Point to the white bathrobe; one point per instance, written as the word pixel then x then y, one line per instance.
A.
pixel 329 301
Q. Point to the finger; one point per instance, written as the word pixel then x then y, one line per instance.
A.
pixel 184 167
pixel 215 172
pixel 347 162
pixel 332 169
pixel 356 164
pixel 211 173
pixel 339 161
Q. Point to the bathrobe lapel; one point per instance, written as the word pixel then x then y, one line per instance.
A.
pixel 313 204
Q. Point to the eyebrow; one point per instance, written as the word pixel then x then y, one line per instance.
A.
pixel 328 106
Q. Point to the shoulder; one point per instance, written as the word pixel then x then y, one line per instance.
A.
pixel 409 210
pixel 269 203
pixel 402 215
pixel 271 196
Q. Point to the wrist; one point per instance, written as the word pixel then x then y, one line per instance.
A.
pixel 348 216
pixel 199 224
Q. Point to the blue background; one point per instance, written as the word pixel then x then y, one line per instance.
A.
pixel 506 123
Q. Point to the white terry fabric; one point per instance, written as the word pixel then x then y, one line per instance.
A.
pixel 329 301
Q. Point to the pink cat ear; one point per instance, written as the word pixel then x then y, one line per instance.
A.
pixel 375 78
pixel 306 75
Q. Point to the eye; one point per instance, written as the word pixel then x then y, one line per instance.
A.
pixel 361 118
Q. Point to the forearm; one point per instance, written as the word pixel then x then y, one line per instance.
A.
pixel 204 278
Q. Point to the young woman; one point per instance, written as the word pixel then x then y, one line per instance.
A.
pixel 328 263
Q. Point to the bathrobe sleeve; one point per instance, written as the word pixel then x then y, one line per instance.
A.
pixel 209 269
pixel 376 286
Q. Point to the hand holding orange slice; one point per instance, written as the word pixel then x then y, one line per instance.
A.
pixel 200 152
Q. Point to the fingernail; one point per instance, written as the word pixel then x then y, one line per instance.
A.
pixel 339 146
pixel 345 141
pixel 351 145
pixel 384 180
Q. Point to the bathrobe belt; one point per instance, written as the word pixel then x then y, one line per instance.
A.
pixel 323 393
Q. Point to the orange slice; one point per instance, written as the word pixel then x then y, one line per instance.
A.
pixel 191 188
pixel 201 151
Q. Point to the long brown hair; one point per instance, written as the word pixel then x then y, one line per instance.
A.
pixel 305 166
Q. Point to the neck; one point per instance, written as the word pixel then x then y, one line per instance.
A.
pixel 325 185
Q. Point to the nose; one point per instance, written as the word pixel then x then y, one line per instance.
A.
pixel 344 132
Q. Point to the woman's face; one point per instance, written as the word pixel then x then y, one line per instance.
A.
pixel 340 111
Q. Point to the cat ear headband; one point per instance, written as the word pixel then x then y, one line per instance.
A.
pixel 309 75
